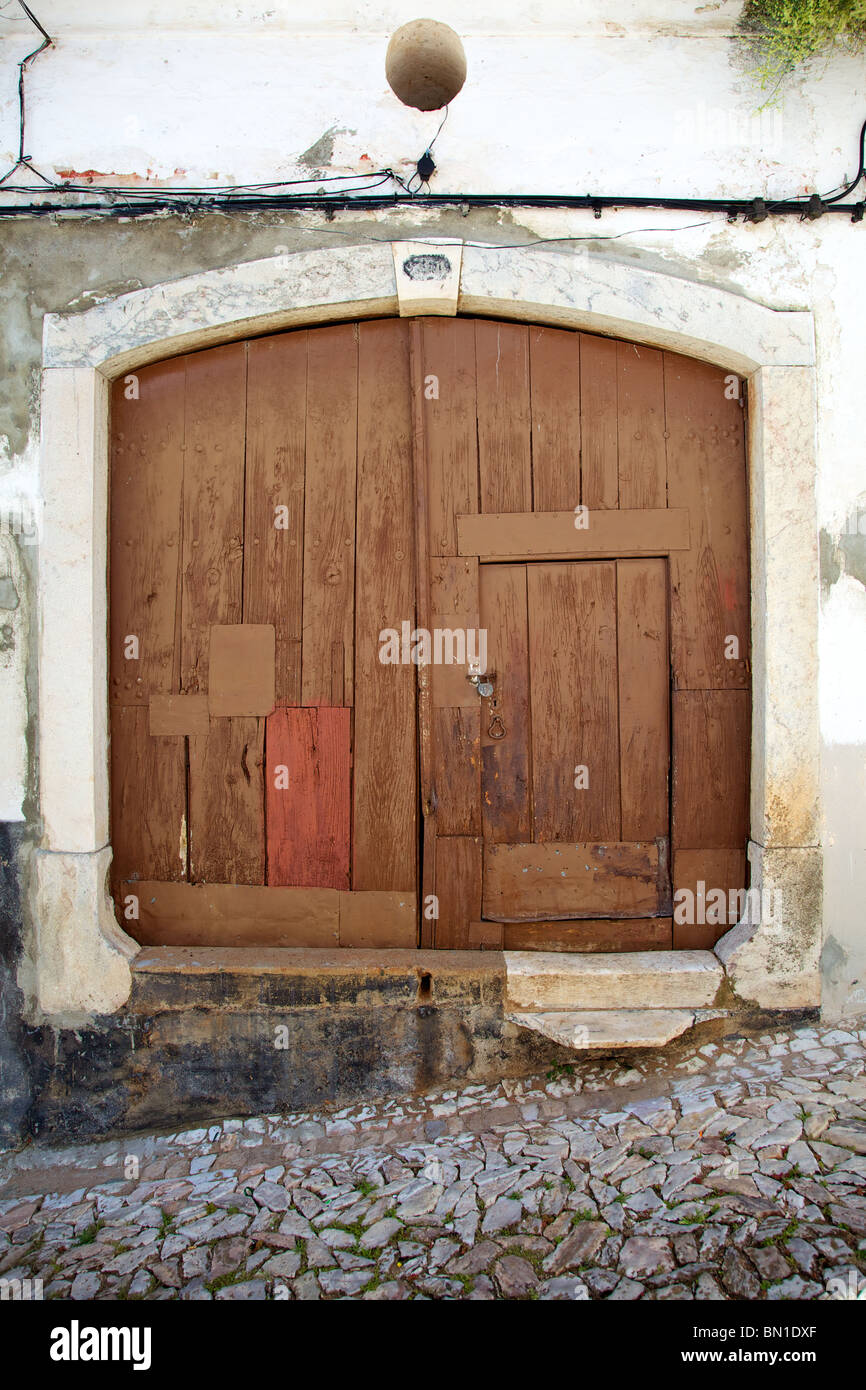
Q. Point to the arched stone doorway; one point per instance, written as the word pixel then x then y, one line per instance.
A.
pixel 82 959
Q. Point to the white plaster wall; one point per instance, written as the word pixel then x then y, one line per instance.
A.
pixel 644 96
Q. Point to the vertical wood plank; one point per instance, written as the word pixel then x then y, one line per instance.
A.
pixel 506 782
pixel 148 800
pixel 457 740
pixel 458 889
pixel 641 426
pixel 308 797
pixel 147 436
pixel 504 458
pixel 454 608
pixel 704 873
pixel 385 828
pixel 456 743
pixel 599 478
pixel 554 369
pixel 446 364
pixel 422 542
pixel 572 663
pixel 711 769
pixel 643 654
pixel 213 501
pixel 709 582
pixel 274 498
pixel 329 513
pixel 226 803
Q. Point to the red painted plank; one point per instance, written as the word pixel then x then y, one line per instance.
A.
pixel 308 797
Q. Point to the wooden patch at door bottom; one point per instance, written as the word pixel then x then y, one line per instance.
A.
pixel 225 914
pixel 601 934
pixel 379 919
pixel 559 880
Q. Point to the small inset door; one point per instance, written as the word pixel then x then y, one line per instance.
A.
pixel 575 745
pixel 574 805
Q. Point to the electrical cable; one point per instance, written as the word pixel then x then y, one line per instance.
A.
pixel 23 160
pixel 425 168
pixel 121 201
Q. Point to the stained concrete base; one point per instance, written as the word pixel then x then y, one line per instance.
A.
pixel 218 1032
pixel 229 1032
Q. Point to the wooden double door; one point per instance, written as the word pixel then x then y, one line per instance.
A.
pixel 427 632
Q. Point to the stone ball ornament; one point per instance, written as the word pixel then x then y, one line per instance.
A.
pixel 425 64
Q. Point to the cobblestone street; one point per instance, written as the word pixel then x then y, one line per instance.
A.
pixel 730 1170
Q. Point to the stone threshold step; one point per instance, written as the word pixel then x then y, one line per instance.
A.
pixel 545 981
pixel 601 1030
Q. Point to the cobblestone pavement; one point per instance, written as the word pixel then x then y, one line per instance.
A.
pixel 731 1170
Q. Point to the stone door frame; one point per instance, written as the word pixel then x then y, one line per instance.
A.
pixel 82 958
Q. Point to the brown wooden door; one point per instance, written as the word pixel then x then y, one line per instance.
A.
pixel 276 505
pixel 583 501
pixel 264 778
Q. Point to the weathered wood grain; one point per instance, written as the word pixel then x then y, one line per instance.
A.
pixel 599 479
pixel 710 581
pixel 308 797
pixel 329 515
pixel 226 803
pixel 145 498
pixel 446 366
pixel 457 740
pixel 213 503
pixel 504 448
pixel 421 538
pixel 148 799
pixel 274 498
pixel 458 889
pixel 454 612
pixel 642 460
pixel 554 366
pixel 385 819
pixel 643 673
pixel 533 882
pixel 572 663
pixel 506 779
pixel 711 769
pixel 592 934
pixel 704 873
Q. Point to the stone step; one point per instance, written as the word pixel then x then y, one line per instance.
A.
pixel 541 981
pixel 597 1030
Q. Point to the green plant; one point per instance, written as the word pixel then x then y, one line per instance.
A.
pixel 781 35
pixel 88 1235
pixel 559 1070
pixel 166 1225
